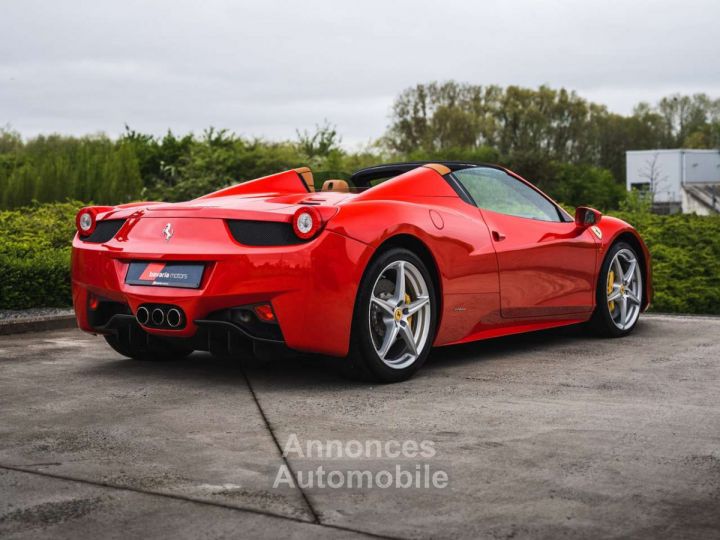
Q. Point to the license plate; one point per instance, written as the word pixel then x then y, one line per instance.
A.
pixel 160 274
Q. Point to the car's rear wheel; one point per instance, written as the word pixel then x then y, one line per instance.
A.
pixel 160 351
pixel 619 292
pixel 394 321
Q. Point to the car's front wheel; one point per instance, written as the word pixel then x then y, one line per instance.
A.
pixel 619 292
pixel 394 321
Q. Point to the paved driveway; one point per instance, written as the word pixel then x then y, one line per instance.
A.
pixel 549 435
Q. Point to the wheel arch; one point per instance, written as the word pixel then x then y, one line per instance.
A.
pixel 421 249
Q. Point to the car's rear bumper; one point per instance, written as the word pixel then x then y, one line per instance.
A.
pixel 311 287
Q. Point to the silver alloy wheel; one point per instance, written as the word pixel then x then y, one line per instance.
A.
pixel 624 289
pixel 399 314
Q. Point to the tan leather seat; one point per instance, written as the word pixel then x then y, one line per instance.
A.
pixel 340 186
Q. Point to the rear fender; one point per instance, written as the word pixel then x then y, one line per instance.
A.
pixel 456 238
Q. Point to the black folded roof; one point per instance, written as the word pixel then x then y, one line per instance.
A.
pixel 363 177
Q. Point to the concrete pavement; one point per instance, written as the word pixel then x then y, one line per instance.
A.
pixel 547 435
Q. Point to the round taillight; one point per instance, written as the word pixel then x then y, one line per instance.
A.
pixel 85 221
pixel 306 223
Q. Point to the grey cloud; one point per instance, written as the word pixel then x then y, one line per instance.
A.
pixel 267 68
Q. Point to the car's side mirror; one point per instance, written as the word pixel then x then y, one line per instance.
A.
pixel 586 216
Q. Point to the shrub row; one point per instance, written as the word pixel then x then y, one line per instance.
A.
pixel 40 280
pixel 685 252
pixel 35 257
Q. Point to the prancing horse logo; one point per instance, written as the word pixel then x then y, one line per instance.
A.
pixel 168 232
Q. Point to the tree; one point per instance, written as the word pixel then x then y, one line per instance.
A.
pixel 653 173
pixel 321 143
pixel 684 116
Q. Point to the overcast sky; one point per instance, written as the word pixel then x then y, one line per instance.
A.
pixel 266 68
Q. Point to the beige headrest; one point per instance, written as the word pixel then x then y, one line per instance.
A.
pixel 336 185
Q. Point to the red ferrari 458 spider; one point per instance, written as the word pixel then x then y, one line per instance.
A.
pixel 375 270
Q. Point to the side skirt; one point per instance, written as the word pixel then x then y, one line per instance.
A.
pixel 516 329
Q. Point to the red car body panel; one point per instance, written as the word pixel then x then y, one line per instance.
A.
pixel 495 274
pixel 529 253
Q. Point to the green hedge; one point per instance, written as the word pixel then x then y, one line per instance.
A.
pixel 685 253
pixel 35 257
pixel 40 280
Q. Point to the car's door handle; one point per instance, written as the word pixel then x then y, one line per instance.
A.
pixel 497 236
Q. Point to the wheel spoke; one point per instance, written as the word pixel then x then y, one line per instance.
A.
pixel 391 332
pixel 632 297
pixel 408 338
pixel 399 295
pixel 619 274
pixel 417 305
pixel 615 294
pixel 623 310
pixel 630 272
pixel 382 304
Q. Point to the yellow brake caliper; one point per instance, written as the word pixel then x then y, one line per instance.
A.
pixel 611 281
pixel 407 301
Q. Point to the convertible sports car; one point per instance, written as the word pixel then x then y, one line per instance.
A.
pixel 375 271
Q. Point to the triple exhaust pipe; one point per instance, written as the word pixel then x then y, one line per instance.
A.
pixel 160 316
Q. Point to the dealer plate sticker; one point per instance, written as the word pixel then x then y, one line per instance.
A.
pixel 159 274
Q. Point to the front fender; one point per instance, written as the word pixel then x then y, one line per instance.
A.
pixel 615 229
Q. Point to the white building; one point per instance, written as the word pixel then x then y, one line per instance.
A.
pixel 680 180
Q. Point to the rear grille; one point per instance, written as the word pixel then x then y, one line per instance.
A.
pixel 104 231
pixel 263 233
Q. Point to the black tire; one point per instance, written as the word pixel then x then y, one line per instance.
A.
pixel 152 351
pixel 601 321
pixel 363 362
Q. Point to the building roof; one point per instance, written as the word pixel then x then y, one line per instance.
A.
pixel 674 151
